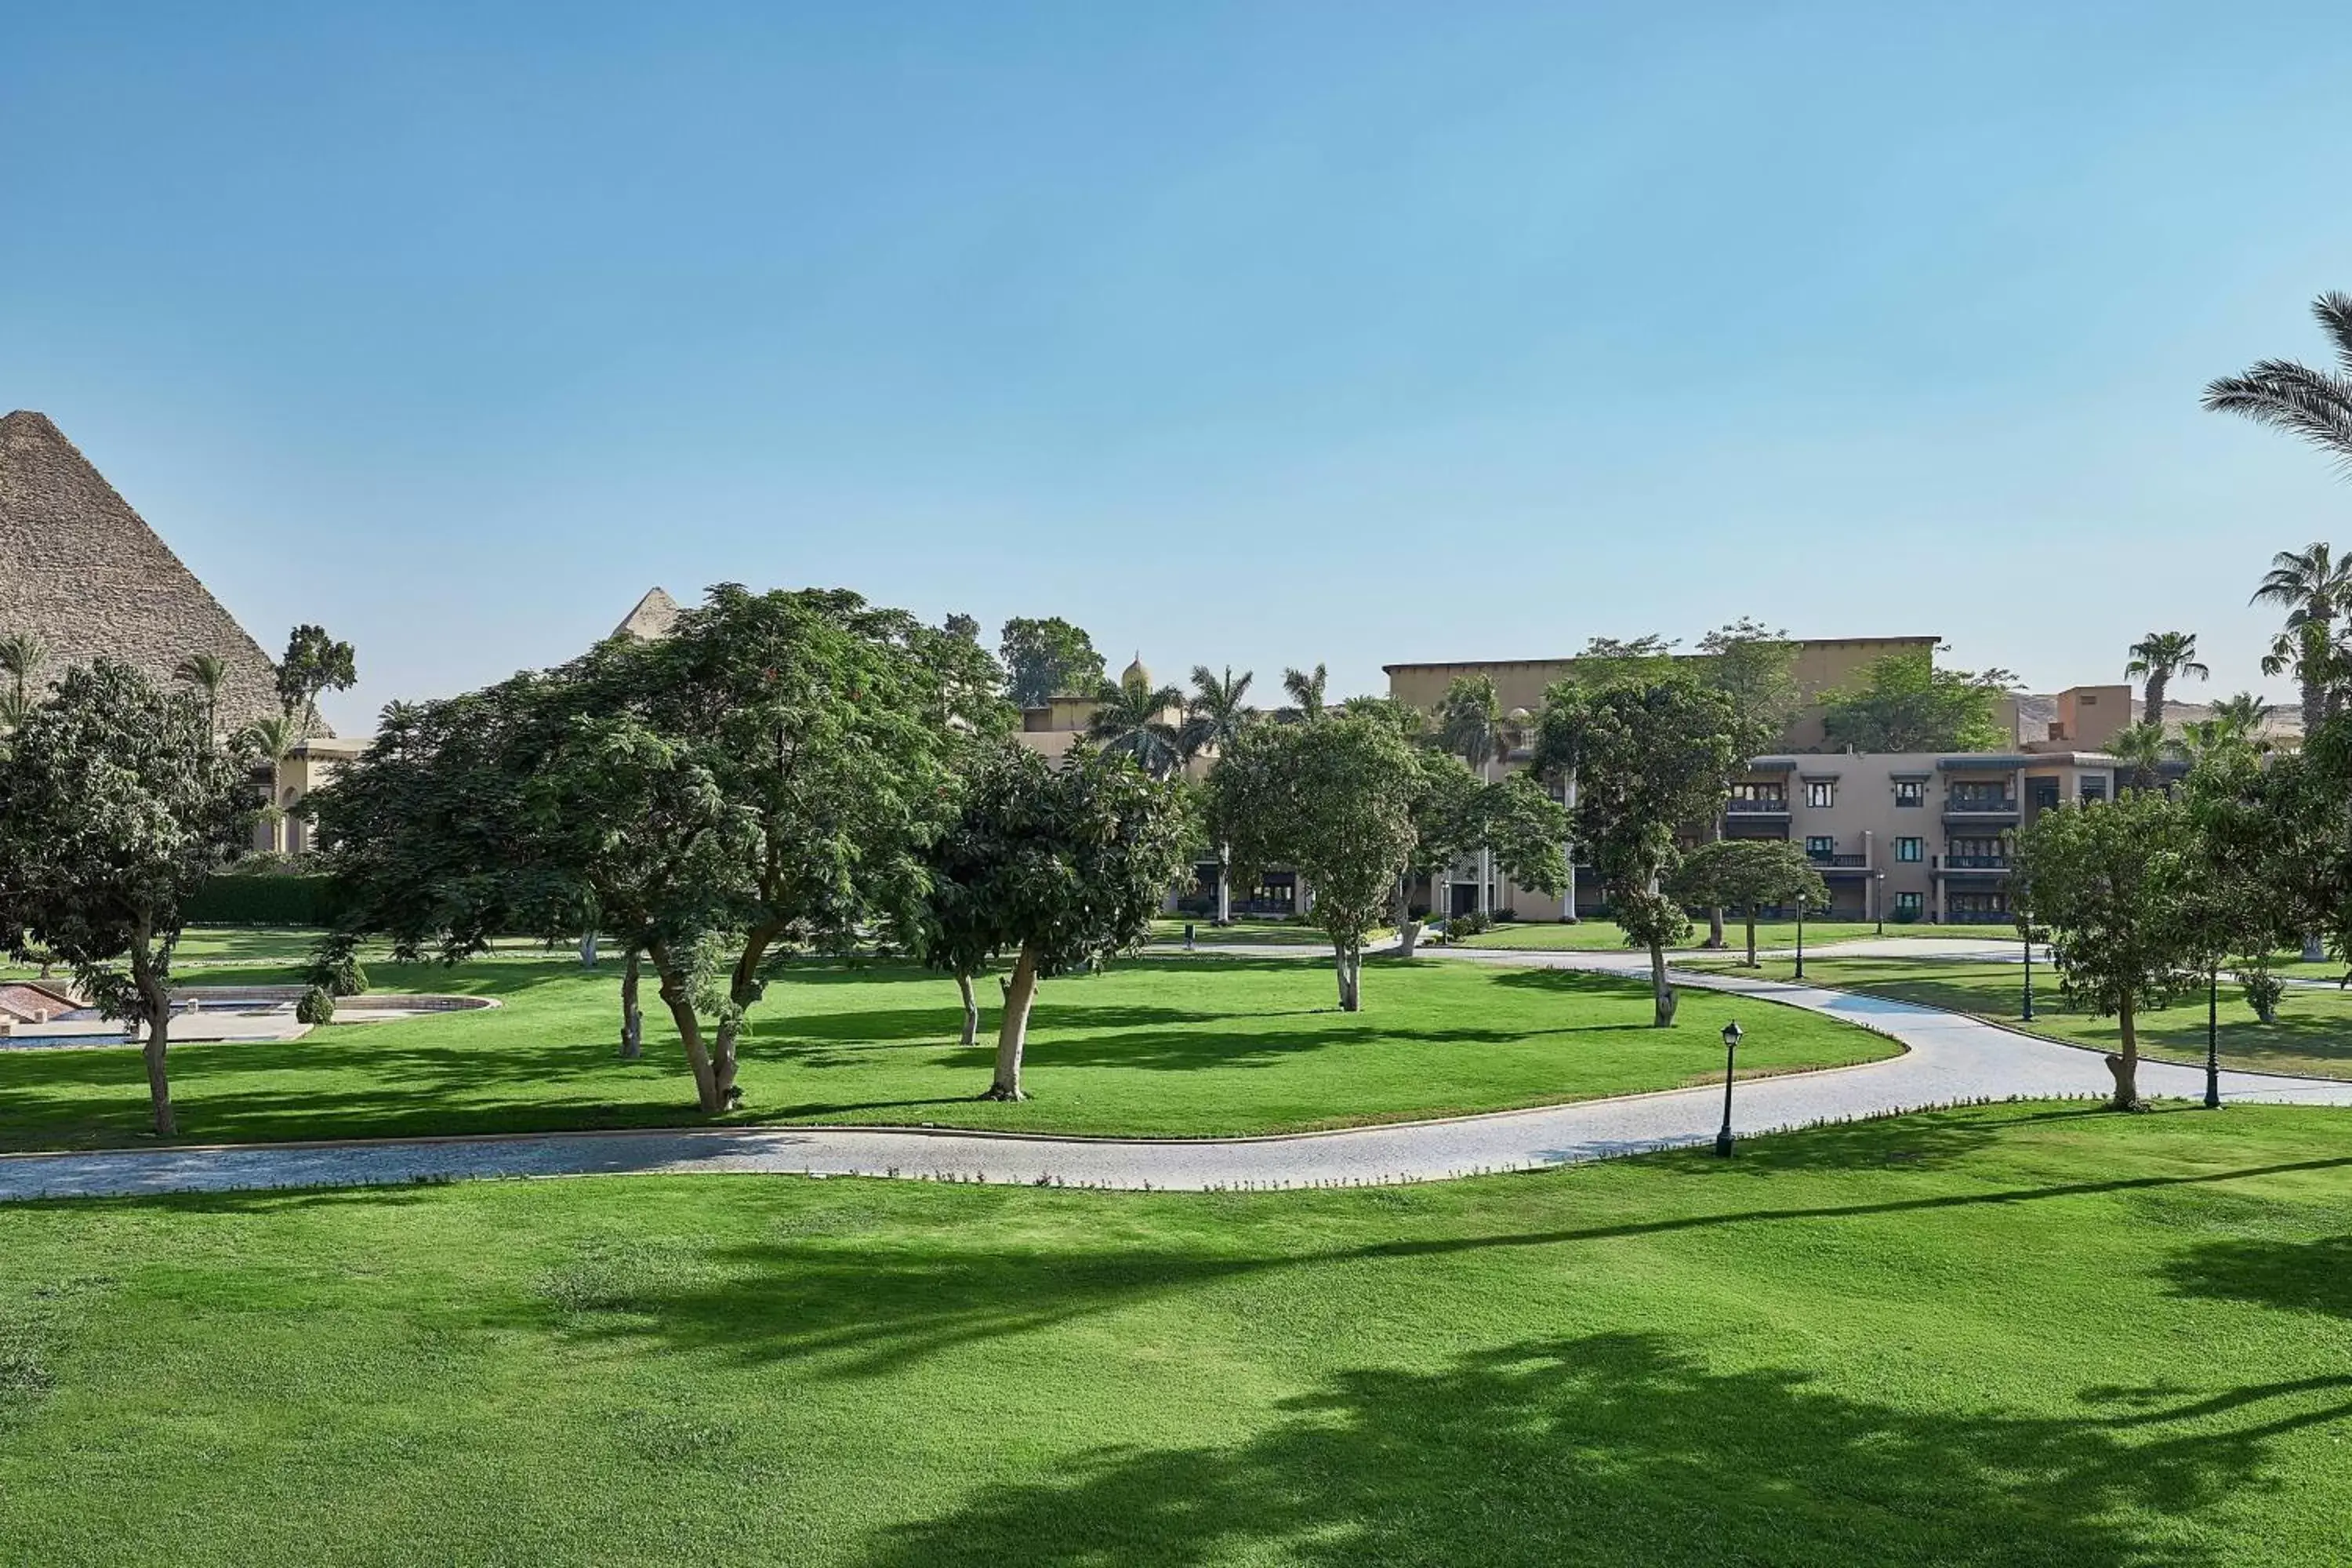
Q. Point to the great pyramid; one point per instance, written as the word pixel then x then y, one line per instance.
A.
pixel 83 574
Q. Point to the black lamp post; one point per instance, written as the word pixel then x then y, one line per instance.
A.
pixel 1730 1050
pixel 1879 888
pixel 1801 936
pixel 2212 1039
pixel 2027 1011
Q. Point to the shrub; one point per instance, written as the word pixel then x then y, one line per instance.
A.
pixel 316 1007
pixel 337 973
pixel 1905 917
pixel 1470 924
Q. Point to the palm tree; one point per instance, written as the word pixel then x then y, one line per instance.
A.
pixel 2316 404
pixel 14 710
pixel 207 672
pixel 21 656
pixel 1470 725
pixel 2144 748
pixel 2156 659
pixel 1215 719
pixel 2243 717
pixel 275 738
pixel 2314 586
pixel 1132 716
pixel 1306 691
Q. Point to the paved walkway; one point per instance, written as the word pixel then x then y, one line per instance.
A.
pixel 1950 1059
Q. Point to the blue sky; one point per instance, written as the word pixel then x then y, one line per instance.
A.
pixel 1261 333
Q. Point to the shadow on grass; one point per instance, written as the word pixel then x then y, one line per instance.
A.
pixel 1623 1449
pixel 2305 1276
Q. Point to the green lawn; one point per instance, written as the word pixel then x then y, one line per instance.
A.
pixel 240 945
pixel 2010 1337
pixel 2313 1034
pixel 1167 1045
pixel 1589 935
pixel 1254 932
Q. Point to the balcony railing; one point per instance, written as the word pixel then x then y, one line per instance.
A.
pixel 1983 805
pixel 1736 807
pixel 1976 862
pixel 1837 861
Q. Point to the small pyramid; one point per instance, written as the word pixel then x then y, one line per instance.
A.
pixel 84 574
pixel 651 621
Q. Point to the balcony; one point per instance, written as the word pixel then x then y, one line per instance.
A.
pixel 1973 865
pixel 1831 864
pixel 1983 808
pixel 1738 806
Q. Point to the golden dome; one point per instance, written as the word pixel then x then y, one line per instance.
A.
pixel 1135 672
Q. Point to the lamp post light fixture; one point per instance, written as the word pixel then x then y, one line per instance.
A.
pixel 2212 1039
pixel 1879 903
pixel 1730 1051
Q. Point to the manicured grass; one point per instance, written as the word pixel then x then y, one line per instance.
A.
pixel 1997 1336
pixel 1168 1046
pixel 2313 1034
pixel 1599 935
pixel 203 946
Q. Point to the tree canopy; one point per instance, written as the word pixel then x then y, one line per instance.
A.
pixel 1905 702
pixel 1333 799
pixel 116 803
pixel 1046 659
pixel 314 664
pixel 1652 753
pixel 1747 874
pixel 1061 867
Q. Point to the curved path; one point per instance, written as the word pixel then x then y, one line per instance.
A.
pixel 1951 1059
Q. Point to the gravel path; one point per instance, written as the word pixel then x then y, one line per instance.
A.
pixel 1950 1059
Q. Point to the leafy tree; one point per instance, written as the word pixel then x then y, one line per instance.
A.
pixel 1756 669
pixel 2313 586
pixel 1306 691
pixel 116 803
pixel 1131 718
pixel 1454 812
pixel 207 672
pixel 1061 867
pixel 2155 660
pixel 315 663
pixel 2114 885
pixel 2239 904
pixel 21 658
pixel 1215 717
pixel 2243 717
pixel 1613 661
pixel 1400 715
pixel 1047 658
pixel 1470 720
pixel 1651 753
pixel 1905 703
pixel 1333 799
pixel 1749 874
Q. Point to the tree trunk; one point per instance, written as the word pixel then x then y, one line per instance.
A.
pixel 1012 1033
pixel 1751 936
pixel 588 948
pixel 2314 951
pixel 633 1021
pixel 157 1004
pixel 1408 928
pixel 971 1010
pixel 2151 701
pixel 1350 968
pixel 1665 992
pixel 1225 884
pixel 678 995
pixel 743 990
pixel 2125 1064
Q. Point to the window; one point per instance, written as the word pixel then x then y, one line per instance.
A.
pixel 1907 849
pixel 2045 795
pixel 1978 853
pixel 1910 792
pixel 1759 797
pixel 1907 903
pixel 1820 848
pixel 1977 907
pixel 2094 789
pixel 1820 792
pixel 1980 795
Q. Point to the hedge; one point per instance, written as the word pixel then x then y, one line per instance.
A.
pixel 275 901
